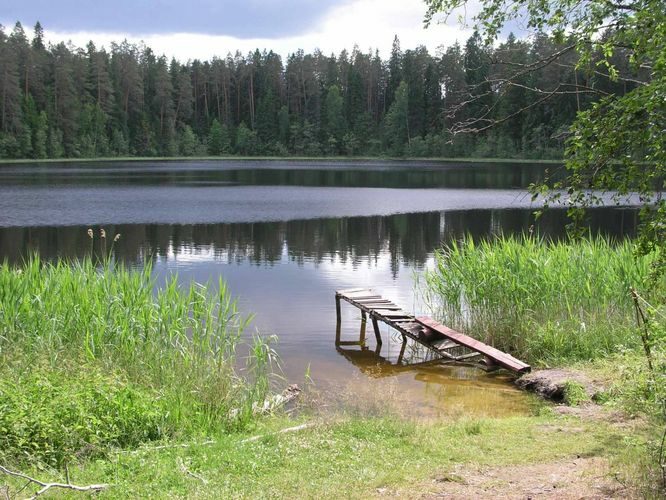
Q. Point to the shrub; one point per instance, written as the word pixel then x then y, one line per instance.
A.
pixel 50 415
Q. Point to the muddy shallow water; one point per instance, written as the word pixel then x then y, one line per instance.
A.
pixel 286 235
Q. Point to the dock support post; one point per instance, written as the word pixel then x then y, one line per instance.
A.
pixel 364 321
pixel 378 335
pixel 337 308
pixel 491 366
pixel 338 333
pixel 402 349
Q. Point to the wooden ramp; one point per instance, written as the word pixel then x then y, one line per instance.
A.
pixel 447 343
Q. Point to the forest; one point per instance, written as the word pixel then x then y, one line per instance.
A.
pixel 62 101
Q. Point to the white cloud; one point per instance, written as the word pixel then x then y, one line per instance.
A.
pixel 367 23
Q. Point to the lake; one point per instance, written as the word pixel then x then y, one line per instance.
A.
pixel 285 235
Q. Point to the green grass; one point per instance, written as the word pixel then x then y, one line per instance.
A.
pixel 550 303
pixel 110 380
pixel 349 458
pixel 574 394
pixel 92 357
pixel 51 415
pixel 275 158
pixel 629 383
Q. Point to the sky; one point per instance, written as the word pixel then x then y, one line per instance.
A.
pixel 201 29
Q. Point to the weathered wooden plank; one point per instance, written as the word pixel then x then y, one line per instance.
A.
pixel 469 355
pixel 404 325
pixel 371 303
pixel 350 342
pixel 352 290
pixel 444 344
pixel 499 357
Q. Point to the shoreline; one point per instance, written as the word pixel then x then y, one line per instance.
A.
pixel 341 159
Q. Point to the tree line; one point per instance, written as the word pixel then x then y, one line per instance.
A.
pixel 61 101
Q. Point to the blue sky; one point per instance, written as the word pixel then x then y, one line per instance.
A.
pixel 206 28
pixel 244 19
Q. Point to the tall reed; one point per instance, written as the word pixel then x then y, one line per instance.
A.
pixel 542 300
pixel 178 342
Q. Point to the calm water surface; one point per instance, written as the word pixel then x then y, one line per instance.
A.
pixel 285 236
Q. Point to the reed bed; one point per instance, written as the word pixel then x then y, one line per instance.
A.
pixel 119 349
pixel 549 302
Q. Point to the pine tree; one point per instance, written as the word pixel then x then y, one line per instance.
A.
pixel 432 98
pixel 18 41
pixel 66 104
pixel 128 84
pixel 10 91
pixel 38 83
pixel 163 102
pixel 99 83
pixel 394 70
pixel 38 37
pixel 477 64
pixel 183 93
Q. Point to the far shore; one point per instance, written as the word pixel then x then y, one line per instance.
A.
pixel 276 158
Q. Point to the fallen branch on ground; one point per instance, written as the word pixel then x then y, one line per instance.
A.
pixel 165 446
pixel 210 442
pixel 185 470
pixel 282 431
pixel 47 486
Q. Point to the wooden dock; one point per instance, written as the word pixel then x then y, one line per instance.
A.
pixel 447 343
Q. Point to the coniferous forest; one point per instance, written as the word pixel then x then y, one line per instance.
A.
pixel 61 101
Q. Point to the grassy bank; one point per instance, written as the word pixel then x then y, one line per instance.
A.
pixel 92 359
pixel 347 458
pixel 278 158
pixel 567 304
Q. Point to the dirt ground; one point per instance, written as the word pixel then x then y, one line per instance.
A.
pixel 575 478
pixel 569 479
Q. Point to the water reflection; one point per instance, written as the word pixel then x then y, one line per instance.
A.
pixel 427 386
pixel 353 174
pixel 372 363
pixel 407 238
